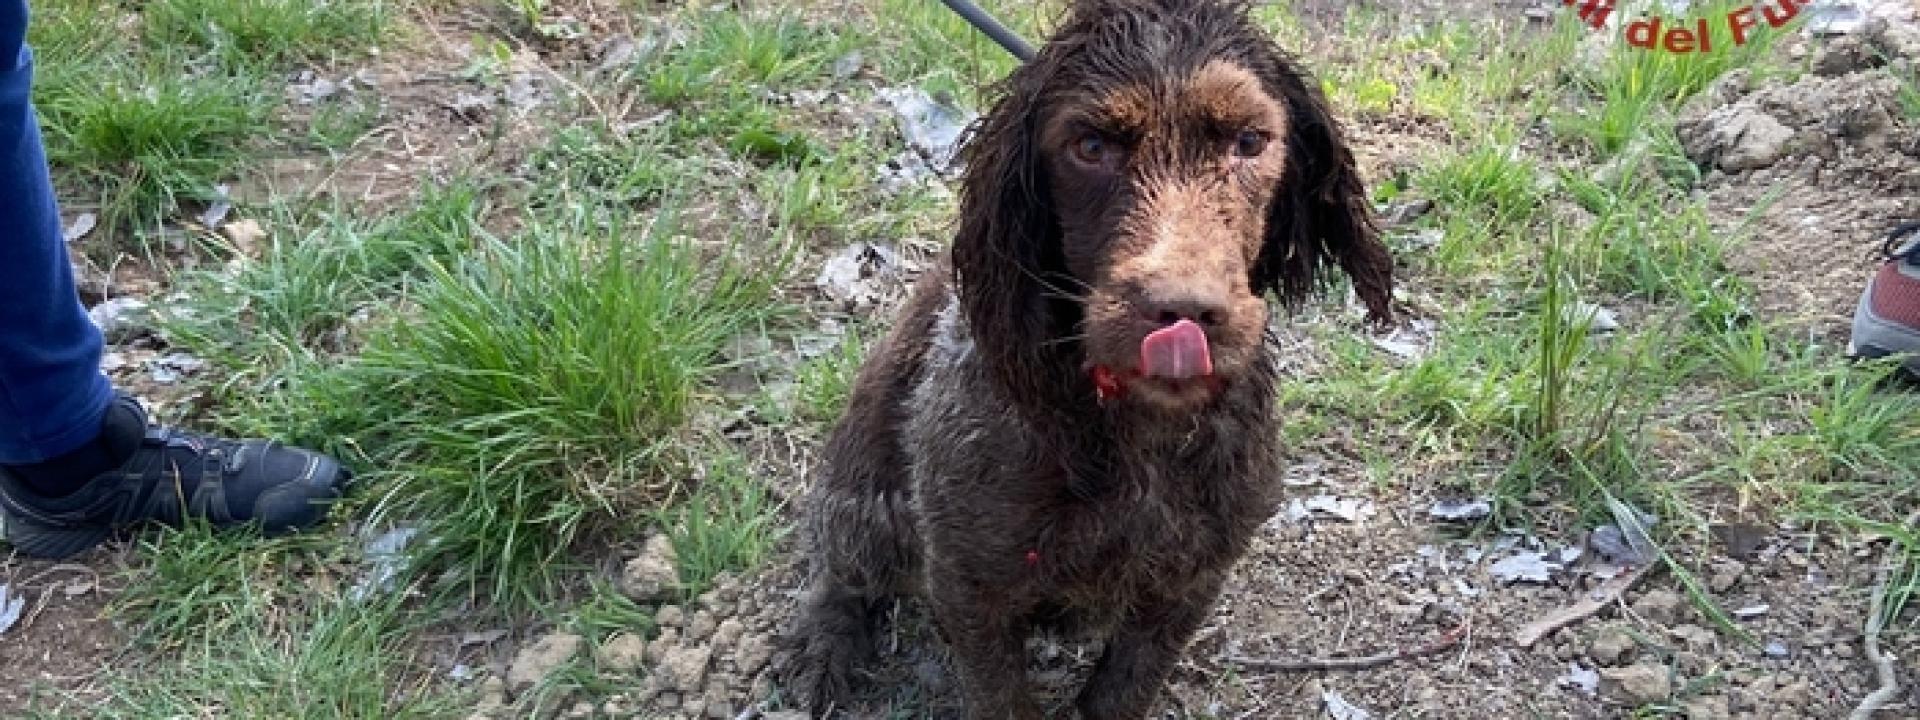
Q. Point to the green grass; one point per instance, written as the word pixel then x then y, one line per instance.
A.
pixel 730 54
pixel 145 143
pixel 1494 180
pixel 1635 91
pixel 824 383
pixel 300 294
pixel 728 524
pixel 259 628
pixel 929 45
pixel 146 108
pixel 542 385
pixel 266 34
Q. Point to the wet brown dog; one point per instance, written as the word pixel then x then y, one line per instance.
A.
pixel 1079 421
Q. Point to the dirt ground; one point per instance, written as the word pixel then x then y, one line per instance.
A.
pixel 66 636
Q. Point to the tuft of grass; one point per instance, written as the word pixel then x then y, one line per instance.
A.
pixel 631 171
pixel 733 53
pixel 606 612
pixel 265 34
pixel 538 393
pixel 1484 75
pixel 936 49
pixel 147 141
pixel 1862 431
pixel 244 626
pixel 1492 180
pixel 824 383
pixel 1636 89
pixel 301 292
pixel 728 524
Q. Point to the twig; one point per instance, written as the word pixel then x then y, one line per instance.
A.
pixel 1591 603
pixel 1353 663
pixel 1876 619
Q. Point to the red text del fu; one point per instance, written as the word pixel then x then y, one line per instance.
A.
pixel 1679 37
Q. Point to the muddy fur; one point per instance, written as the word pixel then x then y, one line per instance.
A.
pixel 1159 159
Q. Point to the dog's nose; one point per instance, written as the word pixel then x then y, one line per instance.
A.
pixel 1169 303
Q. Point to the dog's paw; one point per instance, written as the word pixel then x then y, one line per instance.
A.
pixel 815 673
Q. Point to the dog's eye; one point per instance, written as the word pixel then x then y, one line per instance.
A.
pixel 1250 143
pixel 1090 149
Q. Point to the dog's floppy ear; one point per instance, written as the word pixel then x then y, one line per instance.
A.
pixel 1007 248
pixel 1320 215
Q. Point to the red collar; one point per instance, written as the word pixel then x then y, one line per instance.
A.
pixel 1107 384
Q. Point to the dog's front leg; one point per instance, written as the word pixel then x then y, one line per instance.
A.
pixel 1142 652
pixel 989 649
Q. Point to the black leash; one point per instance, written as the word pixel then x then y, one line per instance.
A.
pixel 985 23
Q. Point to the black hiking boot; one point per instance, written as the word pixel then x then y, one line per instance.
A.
pixel 166 475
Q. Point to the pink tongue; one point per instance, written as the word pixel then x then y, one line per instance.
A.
pixel 1176 352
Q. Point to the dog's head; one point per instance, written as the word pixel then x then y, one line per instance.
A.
pixel 1138 188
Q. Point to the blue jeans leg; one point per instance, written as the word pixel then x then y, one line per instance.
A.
pixel 52 394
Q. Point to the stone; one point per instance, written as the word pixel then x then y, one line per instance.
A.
pixel 728 633
pixel 657 650
pixel 1725 576
pixel 1736 138
pixel 493 698
pixel 536 661
pixel 1612 645
pixel 1706 707
pixel 753 654
pixel 726 587
pixel 701 626
pixel 1635 685
pixel 1694 636
pixel 579 711
pixel 618 706
pixel 1659 606
pixel 246 235
pixel 719 706
pixel 1599 320
pixel 654 574
pixel 122 319
pixel 669 616
pixel 684 668
pixel 1791 695
pixel 622 653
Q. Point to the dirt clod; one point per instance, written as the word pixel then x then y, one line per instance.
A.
pixel 702 625
pixel 1735 139
pixel 657 650
pixel 669 616
pixel 1706 707
pixel 624 653
pixel 652 575
pixel 1659 606
pixel 493 698
pixel 1612 645
pixel 727 633
pixel 684 668
pixel 1635 685
pixel 536 661
pixel 1726 575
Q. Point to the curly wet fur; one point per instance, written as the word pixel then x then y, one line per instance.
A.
pixel 975 469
